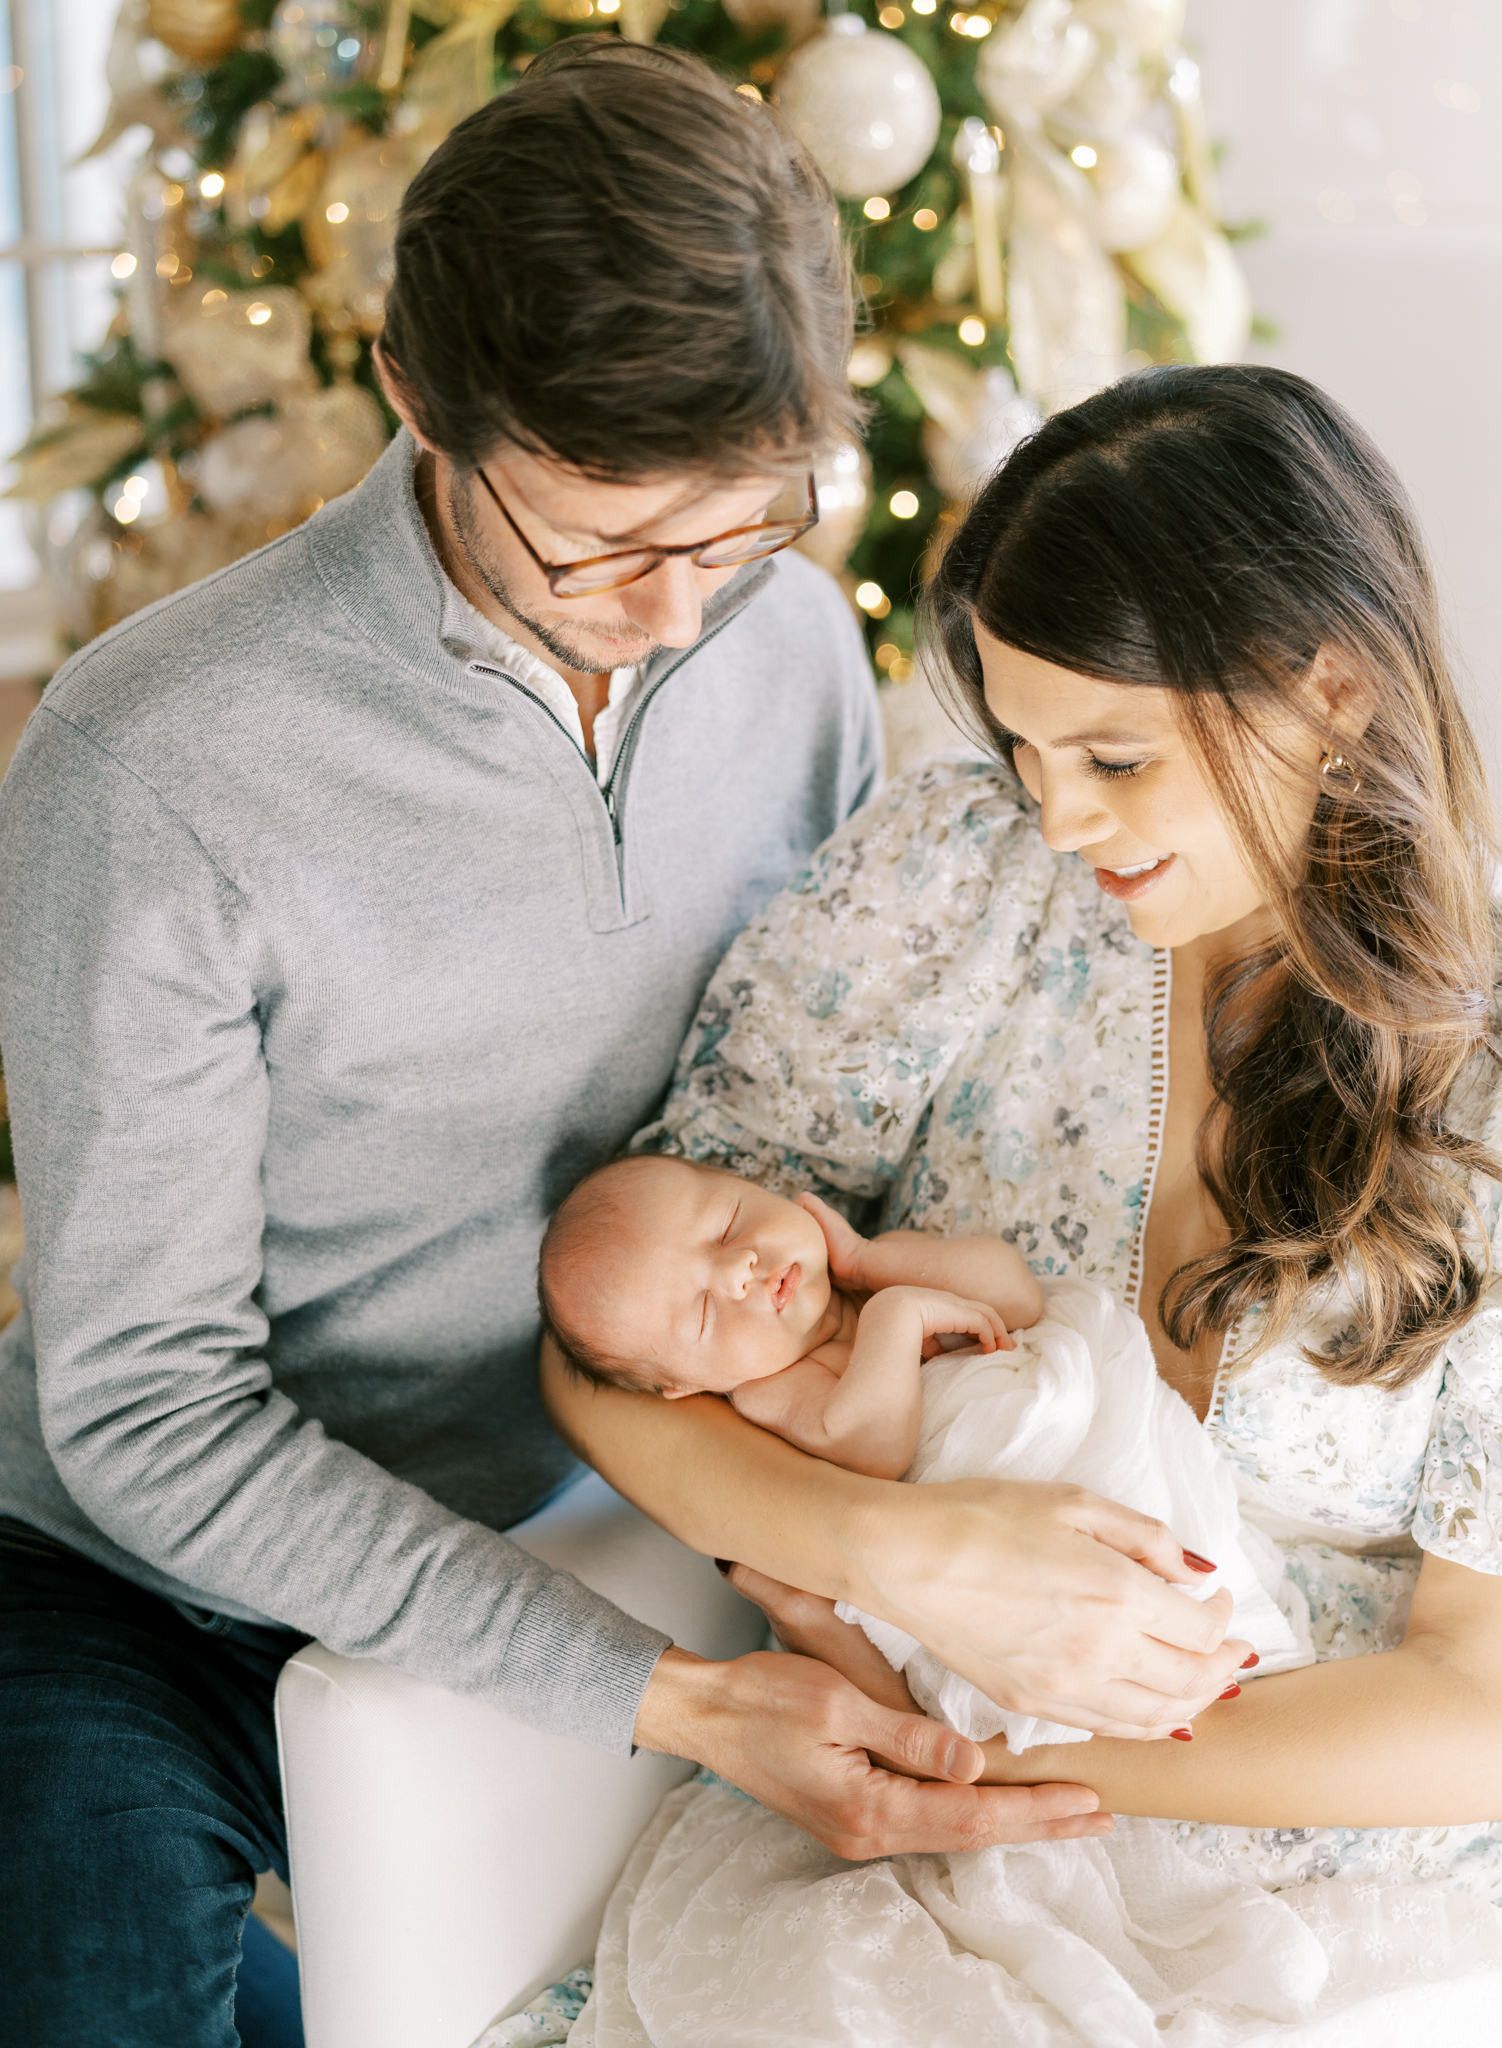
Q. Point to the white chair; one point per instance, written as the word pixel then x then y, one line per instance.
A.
pixel 447 1863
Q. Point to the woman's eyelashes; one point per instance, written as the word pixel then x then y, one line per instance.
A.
pixel 1106 771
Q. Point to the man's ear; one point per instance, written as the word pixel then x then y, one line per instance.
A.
pixel 1343 696
pixel 398 396
pixel 678 1393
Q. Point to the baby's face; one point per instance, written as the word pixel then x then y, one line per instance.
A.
pixel 710 1280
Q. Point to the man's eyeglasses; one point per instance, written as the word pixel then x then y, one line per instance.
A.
pixel 629 565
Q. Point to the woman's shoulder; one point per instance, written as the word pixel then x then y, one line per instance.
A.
pixel 954 821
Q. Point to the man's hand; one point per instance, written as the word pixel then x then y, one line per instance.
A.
pixel 796 1736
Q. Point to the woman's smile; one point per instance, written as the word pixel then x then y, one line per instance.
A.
pixel 1131 884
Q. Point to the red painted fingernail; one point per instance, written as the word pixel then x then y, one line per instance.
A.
pixel 1196 1563
pixel 1232 1692
pixel 1253 1659
pixel 1181 1734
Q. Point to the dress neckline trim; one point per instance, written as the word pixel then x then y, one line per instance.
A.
pixel 1157 1105
pixel 1157 1108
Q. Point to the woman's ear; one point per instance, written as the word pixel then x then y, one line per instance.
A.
pixel 398 396
pixel 1342 696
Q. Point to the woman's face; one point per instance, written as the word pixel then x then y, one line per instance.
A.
pixel 1120 786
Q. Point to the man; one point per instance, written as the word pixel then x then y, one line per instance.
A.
pixel 354 904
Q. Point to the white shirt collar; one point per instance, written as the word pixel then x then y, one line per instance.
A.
pixel 463 623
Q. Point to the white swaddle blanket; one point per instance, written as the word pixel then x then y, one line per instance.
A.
pixel 1081 1399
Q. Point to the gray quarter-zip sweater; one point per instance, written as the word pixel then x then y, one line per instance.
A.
pixel 326 967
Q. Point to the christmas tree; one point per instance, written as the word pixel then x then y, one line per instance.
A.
pixel 1027 189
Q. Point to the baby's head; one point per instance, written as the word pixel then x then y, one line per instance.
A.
pixel 660 1275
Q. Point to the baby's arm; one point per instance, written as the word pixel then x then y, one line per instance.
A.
pixel 978 1268
pixel 867 1417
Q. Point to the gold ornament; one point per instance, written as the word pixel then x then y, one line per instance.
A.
pixel 66 454
pixel 198 31
pixel 453 76
pixel 134 98
pixel 238 349
pixel 641 19
pixel 291 196
pixel 799 17
pixel 349 231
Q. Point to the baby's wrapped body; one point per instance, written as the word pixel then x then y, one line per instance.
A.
pixel 1080 1399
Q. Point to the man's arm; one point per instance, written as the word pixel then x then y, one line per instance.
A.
pixel 984 1269
pixel 135 970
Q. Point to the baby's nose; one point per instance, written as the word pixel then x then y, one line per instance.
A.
pixel 739 1271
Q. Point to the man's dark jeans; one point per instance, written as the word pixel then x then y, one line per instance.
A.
pixel 139 1797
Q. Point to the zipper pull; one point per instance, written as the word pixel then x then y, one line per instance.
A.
pixel 608 792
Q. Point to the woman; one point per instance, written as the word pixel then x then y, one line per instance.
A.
pixel 1193 994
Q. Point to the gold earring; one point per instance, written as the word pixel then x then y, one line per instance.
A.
pixel 1336 774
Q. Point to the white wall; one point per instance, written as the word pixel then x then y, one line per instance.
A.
pixel 1368 135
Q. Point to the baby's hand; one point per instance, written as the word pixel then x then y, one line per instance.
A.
pixel 847 1248
pixel 930 1314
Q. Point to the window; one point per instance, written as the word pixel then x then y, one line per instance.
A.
pixel 60 225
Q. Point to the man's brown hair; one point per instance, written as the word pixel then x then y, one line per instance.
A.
pixel 626 265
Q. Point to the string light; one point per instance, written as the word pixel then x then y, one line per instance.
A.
pixel 747 92
pixel 258 315
pixel 608 6
pixel 1084 156
pixel 972 331
pixel 877 209
pixel 891 17
pixel 123 265
pixel 904 504
pixel 337 212
pixel 873 600
pixel 926 219
pixel 211 185
pixel 925 6
pixel 887 653
pixel 135 487
pixel 126 509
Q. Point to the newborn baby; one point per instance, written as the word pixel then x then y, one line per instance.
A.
pixel 663 1276
pixel 667 1277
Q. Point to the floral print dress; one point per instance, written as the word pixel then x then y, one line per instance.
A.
pixel 942 1025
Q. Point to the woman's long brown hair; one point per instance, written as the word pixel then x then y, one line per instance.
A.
pixel 1219 531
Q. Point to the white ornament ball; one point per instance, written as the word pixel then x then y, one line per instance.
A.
pixel 865 108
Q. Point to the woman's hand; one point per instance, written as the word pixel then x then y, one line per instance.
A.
pixel 796 1736
pixel 1052 1602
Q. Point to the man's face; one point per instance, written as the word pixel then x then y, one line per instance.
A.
pixel 568 518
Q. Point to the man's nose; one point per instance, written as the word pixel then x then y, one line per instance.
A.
pixel 666 604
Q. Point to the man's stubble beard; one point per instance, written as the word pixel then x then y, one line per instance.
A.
pixel 572 652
